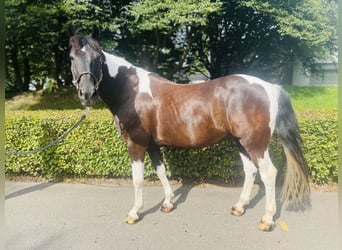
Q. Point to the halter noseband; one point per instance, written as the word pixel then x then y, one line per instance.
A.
pixel 77 81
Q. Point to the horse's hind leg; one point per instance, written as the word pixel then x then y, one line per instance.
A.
pixel 268 175
pixel 157 162
pixel 250 172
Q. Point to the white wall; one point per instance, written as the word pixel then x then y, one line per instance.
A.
pixel 329 76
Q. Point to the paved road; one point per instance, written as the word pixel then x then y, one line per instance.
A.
pixel 85 216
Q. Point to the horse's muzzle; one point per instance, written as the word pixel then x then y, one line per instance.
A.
pixel 87 92
pixel 88 98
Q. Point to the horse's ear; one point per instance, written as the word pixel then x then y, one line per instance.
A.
pixel 71 31
pixel 95 33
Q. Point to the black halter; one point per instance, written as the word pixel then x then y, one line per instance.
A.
pixel 97 81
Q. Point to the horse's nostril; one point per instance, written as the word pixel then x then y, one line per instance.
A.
pixel 80 92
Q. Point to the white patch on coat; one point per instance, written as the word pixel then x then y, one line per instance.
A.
pixel 273 92
pixel 114 62
pixel 144 81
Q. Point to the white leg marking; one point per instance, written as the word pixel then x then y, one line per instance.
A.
pixel 268 175
pixel 250 173
pixel 161 172
pixel 138 182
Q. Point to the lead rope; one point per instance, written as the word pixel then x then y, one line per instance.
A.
pixel 54 142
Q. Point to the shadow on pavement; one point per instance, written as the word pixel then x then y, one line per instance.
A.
pixel 260 195
pixel 181 194
pixel 27 190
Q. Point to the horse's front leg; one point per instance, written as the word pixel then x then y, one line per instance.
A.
pixel 157 162
pixel 137 154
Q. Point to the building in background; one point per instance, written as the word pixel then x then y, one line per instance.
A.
pixel 328 76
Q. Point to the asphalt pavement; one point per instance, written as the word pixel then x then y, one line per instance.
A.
pixel 91 216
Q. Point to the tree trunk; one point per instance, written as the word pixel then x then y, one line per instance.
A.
pixel 27 74
pixel 53 65
pixel 177 67
pixel 211 60
pixel 18 82
pixel 57 65
pixel 215 68
pixel 7 71
pixel 157 49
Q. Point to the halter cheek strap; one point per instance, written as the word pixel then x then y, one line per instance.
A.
pixel 77 81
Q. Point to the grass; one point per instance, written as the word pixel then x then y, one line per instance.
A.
pixel 303 98
pixel 313 97
pixel 63 99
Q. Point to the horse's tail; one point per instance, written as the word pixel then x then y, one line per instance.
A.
pixel 296 189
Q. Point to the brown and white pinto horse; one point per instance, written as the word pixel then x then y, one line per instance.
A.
pixel 151 111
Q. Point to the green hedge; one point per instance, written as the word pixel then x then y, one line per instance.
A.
pixel 319 132
pixel 94 149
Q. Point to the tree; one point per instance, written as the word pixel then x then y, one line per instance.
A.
pixel 307 27
pixel 171 37
pixel 160 32
pixel 248 36
pixel 37 41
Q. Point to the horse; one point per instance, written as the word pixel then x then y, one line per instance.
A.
pixel 151 111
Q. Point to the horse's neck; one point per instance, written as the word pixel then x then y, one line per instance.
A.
pixel 116 90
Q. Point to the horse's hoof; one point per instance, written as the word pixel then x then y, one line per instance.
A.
pixel 234 211
pixel 166 208
pixel 265 226
pixel 131 220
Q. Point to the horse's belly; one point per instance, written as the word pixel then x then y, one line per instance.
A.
pixel 193 137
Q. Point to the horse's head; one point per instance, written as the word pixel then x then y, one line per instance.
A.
pixel 86 66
